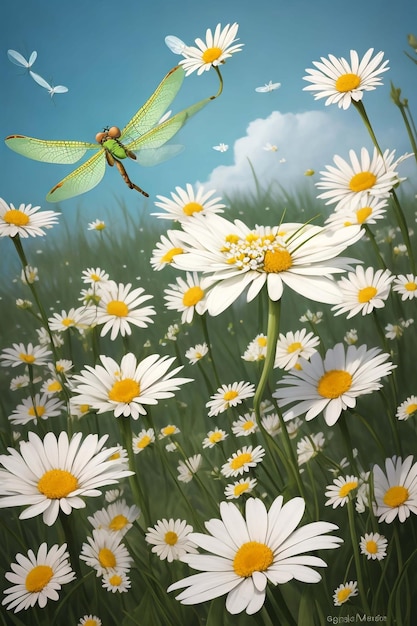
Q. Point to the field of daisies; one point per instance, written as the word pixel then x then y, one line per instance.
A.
pixel 208 412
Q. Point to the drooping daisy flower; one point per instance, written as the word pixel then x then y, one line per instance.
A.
pixel 362 291
pixel 332 384
pixel 374 546
pixel 94 276
pixel 407 409
pixel 25 221
pixel 396 490
pixel 167 248
pixel 170 539
pixel 341 82
pixel 217 48
pixel 117 518
pixel 242 486
pixel 126 388
pixel 116 581
pixel 37 578
pixel 55 474
pixel 187 296
pixel 244 554
pixel 355 183
pixel 90 620
pixel 339 491
pixel 406 286
pixel 242 461
pixel 292 346
pixel 27 355
pixel 186 469
pixel 245 425
pixel 309 446
pixel 229 395
pixel 186 203
pixel 196 353
pixel 143 440
pixel 214 437
pixel 301 256
pixel 105 553
pixel 32 409
pixel 367 213
pixel 344 592
pixel 256 350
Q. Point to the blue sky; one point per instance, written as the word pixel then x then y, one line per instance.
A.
pixel 111 56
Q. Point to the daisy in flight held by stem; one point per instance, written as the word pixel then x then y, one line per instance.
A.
pixel 218 47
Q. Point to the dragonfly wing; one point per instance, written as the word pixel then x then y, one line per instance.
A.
pixel 49 151
pixel 84 178
pixel 150 113
pixel 153 156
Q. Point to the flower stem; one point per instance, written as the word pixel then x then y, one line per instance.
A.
pixel 138 495
pixel 356 556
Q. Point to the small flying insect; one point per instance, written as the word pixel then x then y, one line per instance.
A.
pixel 19 59
pixel 141 140
pixel 268 87
pixel 51 90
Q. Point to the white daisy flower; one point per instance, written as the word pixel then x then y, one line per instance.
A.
pixel 256 350
pixel 55 474
pixel 406 286
pixel 28 355
pixel 186 203
pixel 25 221
pixel 169 431
pixel 187 296
pixel 268 87
pixel 105 553
pixel 240 487
pixel 214 51
pixel 244 554
pixel 222 147
pixel 214 437
pixel 368 213
pixel 74 318
pixel 344 592
pixel 339 491
pixel 33 409
pixel 29 275
pixel 374 546
pixel 186 469
pixel 117 518
pixel 242 461
pixel 271 424
pixel 332 384
pixel 292 346
pixel 355 183
pixel 143 440
pixel 37 578
pixel 301 256
pixel 311 317
pixel 170 539
pixel 245 425
pixel 269 147
pixel 19 382
pixel 196 353
pixel 351 337
pixel 395 491
pixel 90 620
pixel 116 581
pixel 94 276
pixel 340 82
pixel 227 396
pixel 309 446
pixel 407 409
pixel 169 247
pixel 112 494
pixel 363 290
pixel 45 340
pixel 126 388
pixel 97 225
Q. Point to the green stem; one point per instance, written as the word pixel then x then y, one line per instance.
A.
pixel 204 326
pixel 375 246
pixel 356 556
pixel 134 482
pixel 220 89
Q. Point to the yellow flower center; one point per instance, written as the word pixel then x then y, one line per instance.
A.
pixel 192 207
pixel 252 557
pixel 343 594
pixel 91 622
pixel 95 277
pixel 68 321
pixel 57 483
pixel 36 411
pixel 192 296
pixel 38 578
pixel 395 496
pixel 240 488
pixel 215 437
pixel 144 441
pixel 334 383
pixel 115 580
pixel 16 217
pixel 362 181
pixel 347 82
pixel 262 342
pixel 124 390
pixel 211 54
pixel 278 260
pixel 412 408
pixel 100 226
pixel 117 308
pixel 293 347
pixel 240 460
pixel 230 395
pixel 115 456
pixel 371 547
pixel 410 286
pixel 169 430
pixel 363 214
pixel 27 358
pixel 106 558
pixel 84 408
pixel 118 522
pixel 169 255
pixel 347 488
pixel 366 294
pixel 55 386
pixel 248 425
pixel 171 538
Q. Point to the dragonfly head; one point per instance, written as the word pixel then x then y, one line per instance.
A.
pixel 108 133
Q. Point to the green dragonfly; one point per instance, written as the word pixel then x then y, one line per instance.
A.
pixel 142 140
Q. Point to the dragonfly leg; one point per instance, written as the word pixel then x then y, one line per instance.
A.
pixel 126 178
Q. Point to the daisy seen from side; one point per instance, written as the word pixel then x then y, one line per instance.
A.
pixel 228 396
pixel 196 353
pixel 167 249
pixel 186 469
pixel 38 577
pixel 170 539
pixel 368 212
pixel 406 286
pixel 242 461
pixel 407 409
pixel 184 204
pixel 395 491
pixel 333 383
pixel 344 592
pixel 363 290
pixel 24 354
pixel 144 439
pixel 243 554
pixel 187 296
pixel 73 318
pixel 292 346
pixel 105 553
pixel 218 47
pixel 256 350
pixel 25 221
pixel 309 446
pixel 374 546
pixel 33 409
pixel 237 489
pixel 214 437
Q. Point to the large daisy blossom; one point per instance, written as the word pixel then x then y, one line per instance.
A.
pixel 244 554
pixel 353 184
pixel 341 82
pixel 332 384
pixel 170 539
pixel 186 203
pixel 395 491
pixel 54 474
pixel 301 256
pixel 126 388
pixel 215 50
pixel 37 578
pixel 24 221
pixel 363 290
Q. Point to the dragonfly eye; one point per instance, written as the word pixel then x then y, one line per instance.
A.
pixel 100 137
pixel 114 132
